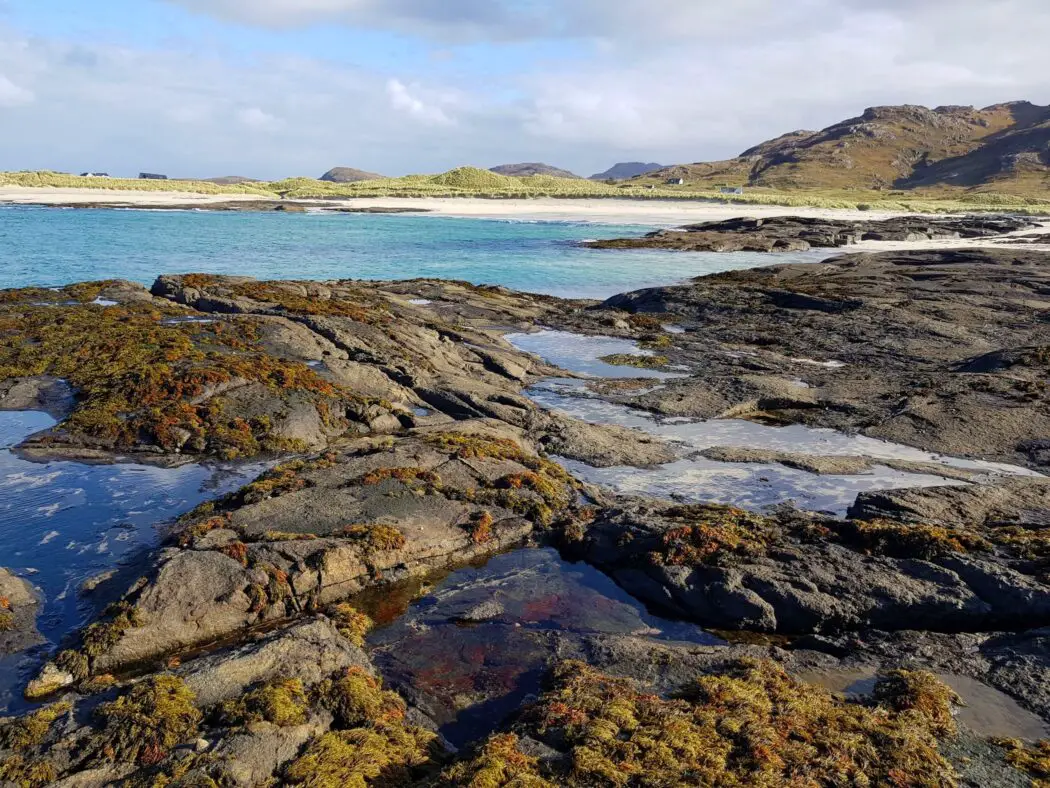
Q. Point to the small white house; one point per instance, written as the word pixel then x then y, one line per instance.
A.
pixel 94 175
pixel 676 181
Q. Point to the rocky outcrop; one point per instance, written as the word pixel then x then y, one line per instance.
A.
pixel 940 350
pixel 731 570
pixel 1019 504
pixel 797 234
pixel 315 532
pixel 348 175
pixel 19 607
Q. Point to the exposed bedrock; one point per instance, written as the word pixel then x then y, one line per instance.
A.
pixel 797 234
pixel 313 532
pixel 800 574
pixel 945 351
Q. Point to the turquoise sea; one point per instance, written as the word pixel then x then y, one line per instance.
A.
pixel 51 246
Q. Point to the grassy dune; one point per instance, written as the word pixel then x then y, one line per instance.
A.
pixel 472 182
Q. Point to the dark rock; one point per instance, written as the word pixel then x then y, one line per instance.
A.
pixel 942 350
pixel 793 234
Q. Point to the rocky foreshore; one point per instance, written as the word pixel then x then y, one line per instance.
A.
pixel 407 446
pixel 799 234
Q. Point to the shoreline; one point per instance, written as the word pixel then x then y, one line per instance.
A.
pixel 655 213
pixel 662 214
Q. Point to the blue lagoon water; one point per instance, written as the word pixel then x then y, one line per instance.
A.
pixel 51 246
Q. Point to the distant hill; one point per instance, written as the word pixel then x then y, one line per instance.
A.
pixel 531 168
pixel 625 170
pixel 231 180
pixel 1004 147
pixel 348 175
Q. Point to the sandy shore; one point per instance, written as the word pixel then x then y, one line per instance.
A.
pixel 657 213
pixel 22 195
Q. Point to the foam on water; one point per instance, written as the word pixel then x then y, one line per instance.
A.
pixel 582 354
pixel 697 479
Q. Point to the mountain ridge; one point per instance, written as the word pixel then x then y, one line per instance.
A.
pixel 625 170
pixel 526 169
pixel 1002 146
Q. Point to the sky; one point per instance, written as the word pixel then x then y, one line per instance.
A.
pixel 275 88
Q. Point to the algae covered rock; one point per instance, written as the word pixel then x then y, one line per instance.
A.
pixel 750 724
pixel 314 532
pixel 732 569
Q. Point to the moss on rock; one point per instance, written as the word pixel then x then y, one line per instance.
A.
pixel 750 724
pixel 282 702
pixel 142 381
pixel 146 722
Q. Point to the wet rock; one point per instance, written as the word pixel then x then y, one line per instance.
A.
pixel 941 350
pixel 601 445
pixel 486 611
pixel 252 758
pixel 732 570
pixel 838 465
pixel 49 681
pixel 794 234
pixel 93 583
pixel 1017 502
pixel 806 462
pixel 50 395
pixel 309 651
pixel 314 532
pixel 264 366
pixel 19 607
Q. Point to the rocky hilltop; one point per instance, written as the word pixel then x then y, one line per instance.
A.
pixel 531 168
pixel 238 653
pixel 625 170
pixel 1004 148
pixel 348 175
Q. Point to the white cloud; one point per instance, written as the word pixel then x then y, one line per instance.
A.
pixel 659 80
pixel 404 99
pixel 11 95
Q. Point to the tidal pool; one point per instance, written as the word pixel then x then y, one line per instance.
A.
pixel 62 523
pixel 478 642
pixel 697 479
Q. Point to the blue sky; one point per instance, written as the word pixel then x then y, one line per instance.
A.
pixel 270 88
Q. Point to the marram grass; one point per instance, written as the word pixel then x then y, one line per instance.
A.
pixel 478 183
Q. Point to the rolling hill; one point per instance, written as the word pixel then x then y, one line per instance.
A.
pixel 348 175
pixel 1002 148
pixel 625 170
pixel 531 168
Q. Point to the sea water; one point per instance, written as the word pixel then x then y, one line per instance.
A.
pixel 54 246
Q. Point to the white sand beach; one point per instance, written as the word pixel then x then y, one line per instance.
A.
pixel 25 195
pixel 658 213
